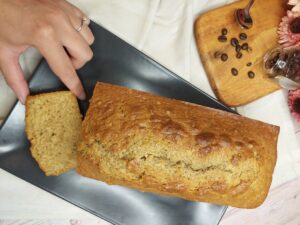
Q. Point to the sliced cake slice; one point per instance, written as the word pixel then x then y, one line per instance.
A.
pixel 53 123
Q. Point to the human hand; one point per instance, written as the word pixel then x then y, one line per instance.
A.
pixel 52 26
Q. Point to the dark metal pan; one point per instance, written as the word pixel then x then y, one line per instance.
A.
pixel 118 63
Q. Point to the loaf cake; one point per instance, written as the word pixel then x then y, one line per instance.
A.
pixel 175 148
pixel 53 123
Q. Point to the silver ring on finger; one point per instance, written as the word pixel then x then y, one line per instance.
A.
pixel 84 21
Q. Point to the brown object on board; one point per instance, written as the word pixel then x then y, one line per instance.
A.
pixel 239 90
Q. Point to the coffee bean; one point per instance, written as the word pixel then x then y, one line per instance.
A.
pixel 293 69
pixel 251 74
pixel 234 42
pixel 217 54
pixel 277 70
pixel 285 57
pixel 239 55
pixel 295 57
pixel 275 59
pixel 222 38
pixel 296 66
pixel 234 71
pixel 297 53
pixel 249 64
pixel 224 31
pixel 286 70
pixel 238 48
pixel 294 54
pixel 245 46
pixel 297 60
pixel 243 36
pixel 291 73
pixel 269 64
pixel 295 26
pixel 224 57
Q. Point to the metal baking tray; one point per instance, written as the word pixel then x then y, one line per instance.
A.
pixel 114 62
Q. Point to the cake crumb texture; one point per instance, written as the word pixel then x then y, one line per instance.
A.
pixel 53 123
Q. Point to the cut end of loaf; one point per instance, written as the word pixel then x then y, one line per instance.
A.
pixel 53 123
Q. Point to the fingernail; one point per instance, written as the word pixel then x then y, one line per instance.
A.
pixel 82 96
pixel 22 96
pixel 22 99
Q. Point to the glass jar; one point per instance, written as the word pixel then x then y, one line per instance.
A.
pixel 283 65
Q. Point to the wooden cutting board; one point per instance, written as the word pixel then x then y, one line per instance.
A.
pixel 239 90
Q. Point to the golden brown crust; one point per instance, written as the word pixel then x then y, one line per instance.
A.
pixel 176 148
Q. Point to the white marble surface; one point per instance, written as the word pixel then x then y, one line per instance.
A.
pixel 163 29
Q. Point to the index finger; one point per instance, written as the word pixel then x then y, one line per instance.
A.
pixel 62 66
